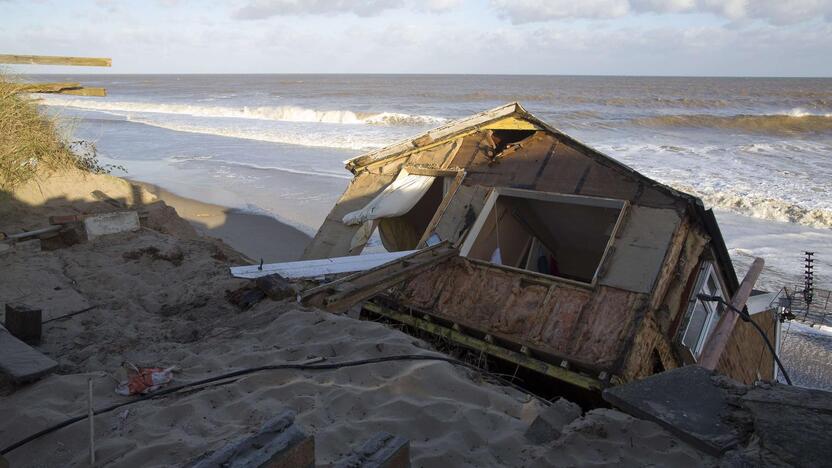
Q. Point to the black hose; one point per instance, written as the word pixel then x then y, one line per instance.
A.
pixel 251 370
pixel 746 317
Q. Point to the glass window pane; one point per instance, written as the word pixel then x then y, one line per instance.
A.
pixel 697 321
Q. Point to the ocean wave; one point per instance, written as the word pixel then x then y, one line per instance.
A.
pixel 276 113
pixel 209 159
pixel 344 140
pixel 791 123
pixel 761 207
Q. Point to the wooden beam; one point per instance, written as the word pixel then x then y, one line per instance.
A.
pixel 56 60
pixel 495 350
pixel 46 87
pixel 75 89
pixel 722 333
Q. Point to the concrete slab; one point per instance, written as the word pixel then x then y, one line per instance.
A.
pixel 687 401
pixel 279 444
pixel 111 223
pixel 20 361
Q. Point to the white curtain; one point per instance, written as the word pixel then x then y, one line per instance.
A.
pixel 396 199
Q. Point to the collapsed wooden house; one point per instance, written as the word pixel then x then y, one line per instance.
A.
pixel 510 237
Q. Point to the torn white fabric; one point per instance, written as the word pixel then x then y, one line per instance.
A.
pixel 396 199
pixel 362 236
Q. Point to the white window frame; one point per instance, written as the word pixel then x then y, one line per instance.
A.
pixel 496 192
pixel 713 309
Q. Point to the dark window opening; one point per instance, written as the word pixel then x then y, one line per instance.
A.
pixel 557 235
pixel 404 232
pixel 504 138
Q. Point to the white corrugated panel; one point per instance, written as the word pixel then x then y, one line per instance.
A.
pixel 318 268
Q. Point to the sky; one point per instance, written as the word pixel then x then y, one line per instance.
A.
pixel 569 37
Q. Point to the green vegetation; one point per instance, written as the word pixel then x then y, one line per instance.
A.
pixel 30 143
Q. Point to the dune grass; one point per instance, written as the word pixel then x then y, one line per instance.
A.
pixel 30 143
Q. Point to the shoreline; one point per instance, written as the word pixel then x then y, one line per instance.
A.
pixel 254 235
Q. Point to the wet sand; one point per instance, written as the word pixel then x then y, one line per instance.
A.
pixel 255 236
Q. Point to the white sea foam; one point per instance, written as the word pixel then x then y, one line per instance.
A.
pixel 315 173
pixel 761 206
pixel 275 113
pixel 290 136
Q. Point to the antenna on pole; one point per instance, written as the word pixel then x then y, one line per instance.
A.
pixel 808 279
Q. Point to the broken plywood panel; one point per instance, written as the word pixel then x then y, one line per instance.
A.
pixel 543 313
pixel 639 251
pixel 461 213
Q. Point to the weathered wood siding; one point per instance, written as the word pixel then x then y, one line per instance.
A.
pixel 746 358
pixel 586 326
pixel 544 162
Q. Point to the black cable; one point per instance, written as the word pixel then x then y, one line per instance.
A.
pixel 251 370
pixel 746 317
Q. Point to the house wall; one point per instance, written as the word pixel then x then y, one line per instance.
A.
pixel 624 324
pixel 654 347
pixel 746 357
pixel 584 325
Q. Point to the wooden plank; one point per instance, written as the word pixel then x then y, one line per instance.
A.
pixel 318 268
pixel 470 342
pixel 511 123
pixel 725 327
pixel 443 205
pixel 93 92
pixel 46 87
pixel 56 60
pixel 62 88
pixel 340 294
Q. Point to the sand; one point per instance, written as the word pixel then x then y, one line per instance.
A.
pixel 168 308
pixel 254 235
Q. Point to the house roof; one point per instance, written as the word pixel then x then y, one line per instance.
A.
pixel 514 109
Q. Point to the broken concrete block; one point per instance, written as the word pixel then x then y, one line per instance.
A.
pixel 111 223
pixel 279 444
pixel 276 287
pixel 20 361
pixel 548 426
pixel 24 323
pixel 383 450
pixel 687 401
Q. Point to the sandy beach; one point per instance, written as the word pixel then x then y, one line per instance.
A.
pixel 255 236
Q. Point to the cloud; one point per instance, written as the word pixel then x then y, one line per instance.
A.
pixel 260 9
pixel 773 11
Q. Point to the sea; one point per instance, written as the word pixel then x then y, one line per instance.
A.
pixel 756 150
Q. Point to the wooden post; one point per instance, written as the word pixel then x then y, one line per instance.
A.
pixel 722 333
pixel 56 60
pixel 91 417
pixel 24 323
